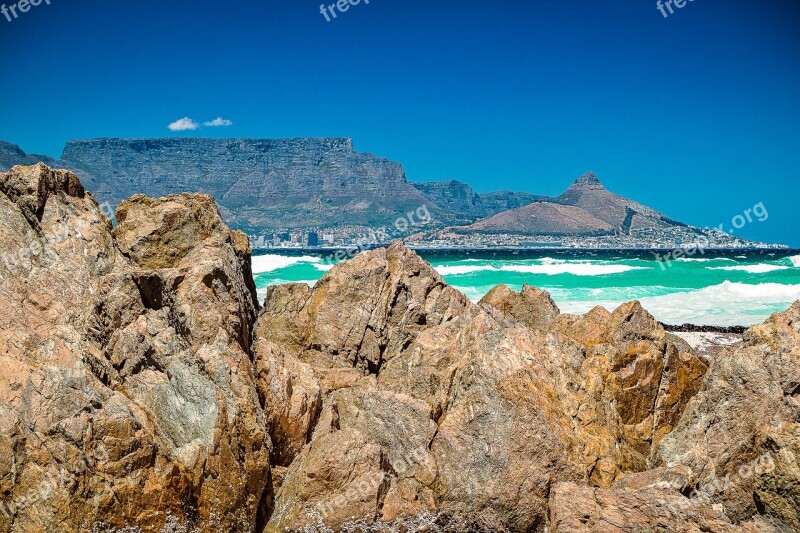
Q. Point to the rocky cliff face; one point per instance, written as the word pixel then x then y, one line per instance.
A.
pixel 127 393
pixel 265 185
pixel 142 387
pixel 465 205
pixel 12 155
pixel 258 183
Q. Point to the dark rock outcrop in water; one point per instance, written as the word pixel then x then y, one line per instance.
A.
pixel 142 387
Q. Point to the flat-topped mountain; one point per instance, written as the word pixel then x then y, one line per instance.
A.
pixel 283 183
pixel 264 184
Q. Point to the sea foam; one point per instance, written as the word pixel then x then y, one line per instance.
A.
pixel 546 266
pixel 272 262
pixel 455 270
pixel 725 304
pixel 752 269
pixel 576 269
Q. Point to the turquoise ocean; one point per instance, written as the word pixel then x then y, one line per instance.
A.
pixel 737 288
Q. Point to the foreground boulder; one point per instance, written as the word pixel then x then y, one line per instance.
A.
pixel 415 393
pixel 413 400
pixel 741 433
pixel 127 395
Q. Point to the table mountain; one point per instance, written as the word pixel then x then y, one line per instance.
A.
pixel 285 183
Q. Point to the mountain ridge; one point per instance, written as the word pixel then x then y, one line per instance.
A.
pixel 311 184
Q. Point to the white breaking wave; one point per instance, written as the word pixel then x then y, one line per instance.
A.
pixel 752 269
pixel 456 270
pixel 270 262
pixel 795 259
pixel 701 259
pixel 576 269
pixel 726 304
pixel 548 267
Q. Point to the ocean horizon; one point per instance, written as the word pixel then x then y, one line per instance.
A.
pixel 718 288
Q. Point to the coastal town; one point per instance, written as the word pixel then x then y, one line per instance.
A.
pixel 662 238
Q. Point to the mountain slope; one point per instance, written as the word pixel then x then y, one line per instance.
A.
pixel 12 155
pixel 586 208
pixel 265 185
pixel 542 218
pixel 621 213
pixel 469 206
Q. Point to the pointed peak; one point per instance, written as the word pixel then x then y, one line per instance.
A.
pixel 589 180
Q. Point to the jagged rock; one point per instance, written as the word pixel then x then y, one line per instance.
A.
pixel 586 329
pixel 741 434
pixel 365 314
pixel 291 395
pixel 514 404
pixel 126 389
pixel 622 379
pixel 533 307
pixel 420 387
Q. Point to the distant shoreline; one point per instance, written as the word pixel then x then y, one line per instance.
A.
pixel 514 249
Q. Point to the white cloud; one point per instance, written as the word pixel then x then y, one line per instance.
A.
pixel 183 124
pixel 217 122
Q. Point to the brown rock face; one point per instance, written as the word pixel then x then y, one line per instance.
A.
pixel 141 387
pixel 126 390
pixel 533 307
pixel 651 501
pixel 432 404
pixel 741 433
pixel 428 403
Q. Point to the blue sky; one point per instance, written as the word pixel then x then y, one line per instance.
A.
pixel 697 115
